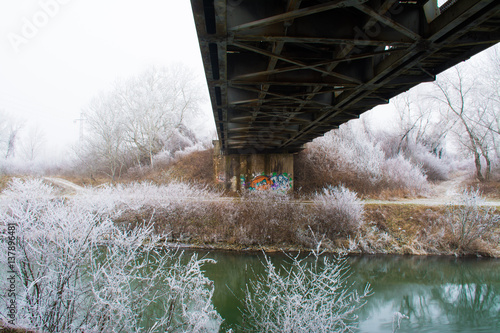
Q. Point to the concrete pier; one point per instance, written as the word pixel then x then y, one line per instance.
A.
pixel 254 172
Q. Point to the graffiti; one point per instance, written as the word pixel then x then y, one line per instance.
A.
pixel 242 181
pixel 275 182
pixel 281 182
pixel 260 183
pixel 221 178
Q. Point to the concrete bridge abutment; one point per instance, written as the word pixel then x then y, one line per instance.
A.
pixel 254 172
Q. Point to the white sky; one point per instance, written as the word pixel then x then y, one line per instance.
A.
pixel 55 55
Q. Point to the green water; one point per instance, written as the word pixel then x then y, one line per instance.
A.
pixel 438 294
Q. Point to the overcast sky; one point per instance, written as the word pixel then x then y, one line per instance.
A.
pixel 55 55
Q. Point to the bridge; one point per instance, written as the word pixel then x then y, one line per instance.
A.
pixel 283 72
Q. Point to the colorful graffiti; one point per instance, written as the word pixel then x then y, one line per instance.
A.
pixel 281 182
pixel 260 183
pixel 274 182
pixel 221 178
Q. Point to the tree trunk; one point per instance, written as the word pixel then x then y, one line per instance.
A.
pixel 11 144
pixel 488 167
pixel 477 161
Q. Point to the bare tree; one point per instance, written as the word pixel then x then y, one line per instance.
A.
pixel 10 128
pixel 418 124
pixel 104 144
pixel 490 92
pixel 154 105
pixel 138 118
pixel 32 144
pixel 467 110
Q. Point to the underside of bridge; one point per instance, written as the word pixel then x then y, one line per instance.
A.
pixel 283 72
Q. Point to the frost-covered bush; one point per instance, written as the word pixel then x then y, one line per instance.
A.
pixel 339 211
pixel 468 221
pixel 189 150
pixel 269 217
pixel 306 296
pixel 402 174
pixel 349 149
pixel 165 157
pixel 435 168
pixel 112 199
pixel 352 156
pixel 77 272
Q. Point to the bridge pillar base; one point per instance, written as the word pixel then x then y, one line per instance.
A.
pixel 254 172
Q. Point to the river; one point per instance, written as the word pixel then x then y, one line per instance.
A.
pixel 437 294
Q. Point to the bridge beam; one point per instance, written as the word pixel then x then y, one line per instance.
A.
pixel 283 72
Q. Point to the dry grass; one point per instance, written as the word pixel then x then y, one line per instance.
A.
pixel 7 328
pixel 490 189
pixel 414 229
pixel 85 180
pixel 4 181
pixel 193 167
pixel 402 220
pixel 222 223
pixel 197 166
pixel 284 224
pixel 254 221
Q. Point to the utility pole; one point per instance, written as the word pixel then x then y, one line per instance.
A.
pixel 81 120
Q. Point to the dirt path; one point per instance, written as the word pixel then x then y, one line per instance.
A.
pixel 441 194
pixel 67 186
pixel 450 189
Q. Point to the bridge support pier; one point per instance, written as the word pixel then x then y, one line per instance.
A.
pixel 254 172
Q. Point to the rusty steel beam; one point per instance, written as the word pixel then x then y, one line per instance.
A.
pixel 297 13
pixel 281 72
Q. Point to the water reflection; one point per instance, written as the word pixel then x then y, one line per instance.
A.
pixel 437 294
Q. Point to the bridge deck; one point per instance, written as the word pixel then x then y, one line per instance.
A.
pixel 282 72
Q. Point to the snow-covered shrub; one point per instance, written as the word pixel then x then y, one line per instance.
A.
pixel 199 146
pixel 351 155
pixel 468 221
pixel 402 174
pixel 162 159
pixel 166 157
pixel 270 217
pixel 112 199
pixel 435 168
pixel 348 149
pixel 435 165
pixel 307 296
pixel 373 240
pixel 77 272
pixel 339 211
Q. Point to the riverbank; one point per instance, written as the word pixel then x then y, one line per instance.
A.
pixel 386 229
pixel 202 218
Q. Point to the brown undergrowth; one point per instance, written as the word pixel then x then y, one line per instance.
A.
pixel 311 175
pixel 421 230
pixel 284 224
pixel 489 189
pixel 196 166
pixel 4 181
pixel 84 180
